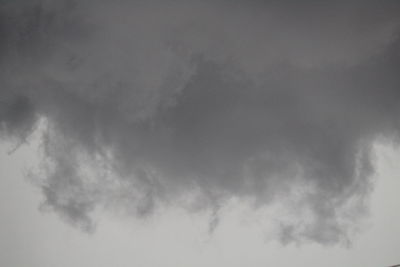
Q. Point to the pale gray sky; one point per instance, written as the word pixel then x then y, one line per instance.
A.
pixel 31 238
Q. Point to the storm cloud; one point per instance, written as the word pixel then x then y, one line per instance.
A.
pixel 148 104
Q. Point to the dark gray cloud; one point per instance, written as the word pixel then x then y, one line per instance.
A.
pixel 192 103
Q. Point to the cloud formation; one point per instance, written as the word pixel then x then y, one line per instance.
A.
pixel 190 103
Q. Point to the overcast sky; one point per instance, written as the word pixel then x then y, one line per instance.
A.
pixel 192 133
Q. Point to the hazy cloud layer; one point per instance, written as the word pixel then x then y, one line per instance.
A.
pixel 155 103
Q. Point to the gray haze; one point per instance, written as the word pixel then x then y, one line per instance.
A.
pixel 148 104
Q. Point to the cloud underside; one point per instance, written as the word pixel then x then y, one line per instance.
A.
pixel 147 105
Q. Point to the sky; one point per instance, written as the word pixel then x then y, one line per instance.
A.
pixel 34 237
pixel 192 133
